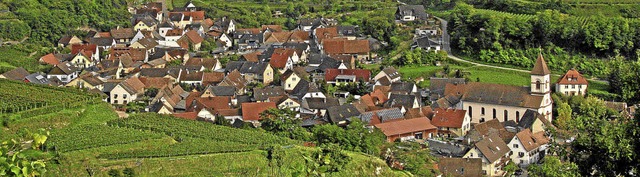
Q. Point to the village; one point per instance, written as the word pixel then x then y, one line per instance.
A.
pixel 180 63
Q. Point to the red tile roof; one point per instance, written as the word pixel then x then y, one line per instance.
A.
pixel 275 28
pixel 174 32
pixel 49 59
pixel 280 57
pixel 211 78
pixel 252 57
pixel 194 37
pixel 76 48
pixel 405 126
pixel 251 111
pixel 187 115
pixel 155 82
pixel 573 77
pixel 342 46
pixel 326 33
pixel 277 37
pixel 361 74
pixel 215 103
pixel 448 118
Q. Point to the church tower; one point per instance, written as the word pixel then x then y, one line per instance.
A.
pixel 541 86
pixel 540 78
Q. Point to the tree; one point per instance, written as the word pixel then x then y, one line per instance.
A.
pixel 328 159
pixel 283 122
pixel 416 159
pixel 552 166
pixel 564 115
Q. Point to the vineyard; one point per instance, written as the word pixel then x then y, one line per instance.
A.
pixel 194 129
pixel 489 12
pixel 18 97
pixel 92 136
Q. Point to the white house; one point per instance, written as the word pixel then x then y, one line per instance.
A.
pixel 527 148
pixel 126 91
pixel 572 83
pixel 494 153
pixel 65 72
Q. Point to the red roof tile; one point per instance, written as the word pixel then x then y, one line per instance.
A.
pixel 49 59
pixel 448 118
pixel 342 46
pixel 573 77
pixel 215 103
pixel 187 115
pixel 326 33
pixel 280 57
pixel 251 111
pixel 405 126
pixel 76 48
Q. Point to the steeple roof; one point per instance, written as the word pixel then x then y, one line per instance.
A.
pixel 540 68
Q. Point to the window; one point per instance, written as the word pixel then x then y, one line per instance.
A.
pixel 517 116
pixel 288 85
pixel 294 79
pixel 124 96
pixel 115 95
pixel 566 86
pixel 471 155
pixel 482 111
pixel 125 102
pixel 494 113
pixel 521 154
pixel 481 120
pixel 580 86
pixel 538 85
pixel 506 115
pixel 115 101
pixel 515 145
pixel 470 112
pixel 573 86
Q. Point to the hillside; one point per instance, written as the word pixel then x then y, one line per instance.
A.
pixel 90 139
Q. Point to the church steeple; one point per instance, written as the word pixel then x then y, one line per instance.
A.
pixel 540 79
pixel 540 68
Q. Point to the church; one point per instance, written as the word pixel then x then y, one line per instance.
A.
pixel 486 101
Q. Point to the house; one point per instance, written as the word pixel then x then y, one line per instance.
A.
pixel 122 35
pixel 527 147
pixel 310 24
pixel 164 27
pixel 104 43
pixel 147 23
pixel 286 102
pixel 86 81
pixel 341 76
pixel 210 64
pixel 494 153
pixel 484 101
pixel 381 116
pixel 85 55
pixel 171 38
pixel 482 130
pixel 170 99
pixel 222 38
pixel 318 106
pixel 321 34
pixel 572 83
pixel 358 48
pixel 438 86
pixel 402 101
pixel 404 88
pixel 263 94
pixel 236 80
pixel 148 44
pixel 191 41
pixel 191 77
pixel 427 44
pixel 407 129
pixel 69 40
pixel 251 111
pixel 407 13
pixel 283 59
pixel 340 115
pixel 179 19
pixel 37 78
pixel 49 59
pixel 277 37
pixel 533 121
pixel 126 91
pixel 257 71
pixel 219 91
pixel 387 76
pixel 224 24
pixel 249 41
pixel 65 72
pixel 18 74
pixel 290 79
pixel 451 122
pixel 428 30
pixel 300 36
pixel 460 167
pixel 349 32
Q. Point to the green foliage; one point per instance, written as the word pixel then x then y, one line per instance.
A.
pixel 354 137
pixel 16 159
pixel 419 56
pixel 61 15
pixel 184 146
pixel 17 97
pixel 282 122
pixel 416 159
pixel 624 80
pixel 328 160
pixel 552 166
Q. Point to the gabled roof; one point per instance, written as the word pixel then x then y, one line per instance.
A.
pixel 215 103
pixel 572 77
pixel 248 31
pixel 300 36
pixel 438 85
pixel 194 37
pixel 402 87
pixel 102 41
pixel 499 94
pixel 185 75
pixel 360 74
pixel 122 33
pixel 262 94
pixel 77 48
pixel 405 126
pixel 490 127
pixel 492 147
pixel 50 59
pixel 133 85
pixel 235 79
pixel 273 28
pixel 148 43
pixel 531 141
pixel 257 68
pixel 342 46
pixel 63 69
pixel 277 37
pixel 460 167
pixel 174 32
pixel 212 78
pixel 326 33
pixel 280 57
pixel 381 116
pixel 529 117
pixel 320 103
pixel 400 100
pixel 18 73
pixel 451 118
pixel 91 79
pixel 251 111
pixel 540 67
pixel 412 10
pixel 252 57
pixel 222 90
pixel 155 82
pixel 337 114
